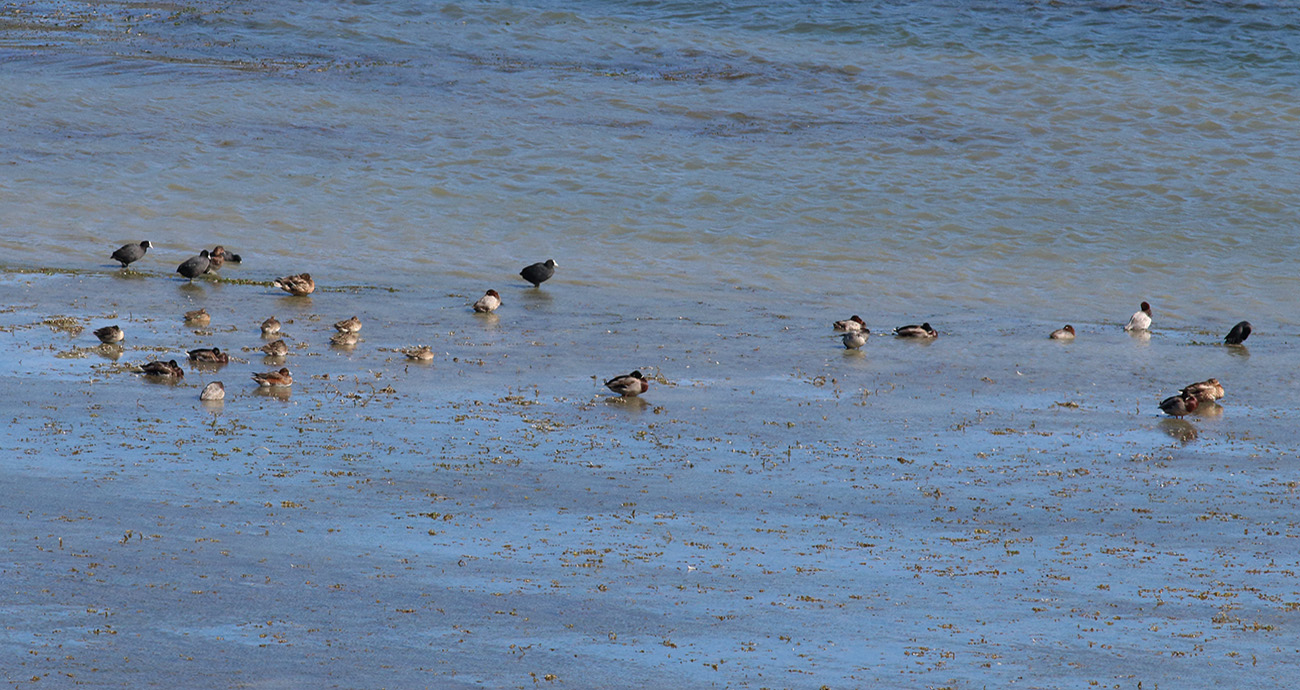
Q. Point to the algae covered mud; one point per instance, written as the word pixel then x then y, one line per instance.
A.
pixel 718 183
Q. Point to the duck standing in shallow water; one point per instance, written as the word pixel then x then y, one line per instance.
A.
pixel 855 339
pixel 274 379
pixel 271 326
pixel 540 272
pixel 195 266
pixel 206 355
pixel 1140 320
pixel 628 385
pixel 344 339
pixel 213 391
pixel 109 334
pixel 1208 390
pixel 488 303
pixel 1238 334
pixel 128 254
pixel 853 323
pixel 922 331
pixel 298 286
pixel 1179 405
pixel 1066 333
pixel 163 369
pixel 352 325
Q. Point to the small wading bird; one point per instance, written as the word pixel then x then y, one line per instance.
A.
pixel 1179 405
pixel 628 385
pixel 213 391
pixel 855 339
pixel 128 254
pixel 922 331
pixel 271 326
pixel 299 285
pixel 1066 333
pixel 206 355
pixel 540 272
pixel 195 266
pixel 1208 390
pixel 853 323
pixel 109 335
pixel 1140 320
pixel 488 303
pixel 163 369
pixel 1238 334
pixel 274 379
pixel 344 339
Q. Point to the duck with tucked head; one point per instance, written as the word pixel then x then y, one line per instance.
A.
pixel 352 325
pixel 488 303
pixel 1066 333
pixel 1179 405
pixel 209 355
pixel 213 391
pixel 344 339
pixel 1208 390
pixel 128 254
pixel 109 334
pixel 298 286
pixel 855 339
pixel 422 353
pixel 274 379
pixel 922 331
pixel 271 326
pixel 1238 334
pixel 853 323
pixel 1140 320
pixel 628 385
pixel 198 317
pixel 276 348
pixel 163 369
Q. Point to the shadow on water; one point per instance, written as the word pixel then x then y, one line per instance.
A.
pixel 1238 351
pixel 277 392
pixel 1179 429
pixel 628 405
pixel 1209 410
pixel 191 288
pixel 109 352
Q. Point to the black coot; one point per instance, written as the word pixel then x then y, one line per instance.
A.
pixel 539 273
pixel 130 253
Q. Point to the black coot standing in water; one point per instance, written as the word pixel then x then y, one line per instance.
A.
pixel 1238 334
pixel 195 266
pixel 539 273
pixel 130 253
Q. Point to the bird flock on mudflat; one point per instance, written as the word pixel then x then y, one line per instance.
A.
pixel 855 333
pixel 854 330
pixel 347 331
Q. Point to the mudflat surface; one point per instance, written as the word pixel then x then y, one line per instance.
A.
pixel 990 509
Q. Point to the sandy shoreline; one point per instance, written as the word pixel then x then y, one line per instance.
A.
pixel 899 523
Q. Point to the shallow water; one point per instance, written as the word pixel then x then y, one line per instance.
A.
pixel 718 182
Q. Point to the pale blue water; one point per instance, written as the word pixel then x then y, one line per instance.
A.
pixel 719 182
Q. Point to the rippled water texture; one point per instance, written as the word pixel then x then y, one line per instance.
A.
pixel 1054 157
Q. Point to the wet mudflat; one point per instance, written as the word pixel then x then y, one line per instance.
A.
pixel 991 509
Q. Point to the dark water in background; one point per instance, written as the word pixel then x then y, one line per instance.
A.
pixel 1067 161
pixel 718 182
